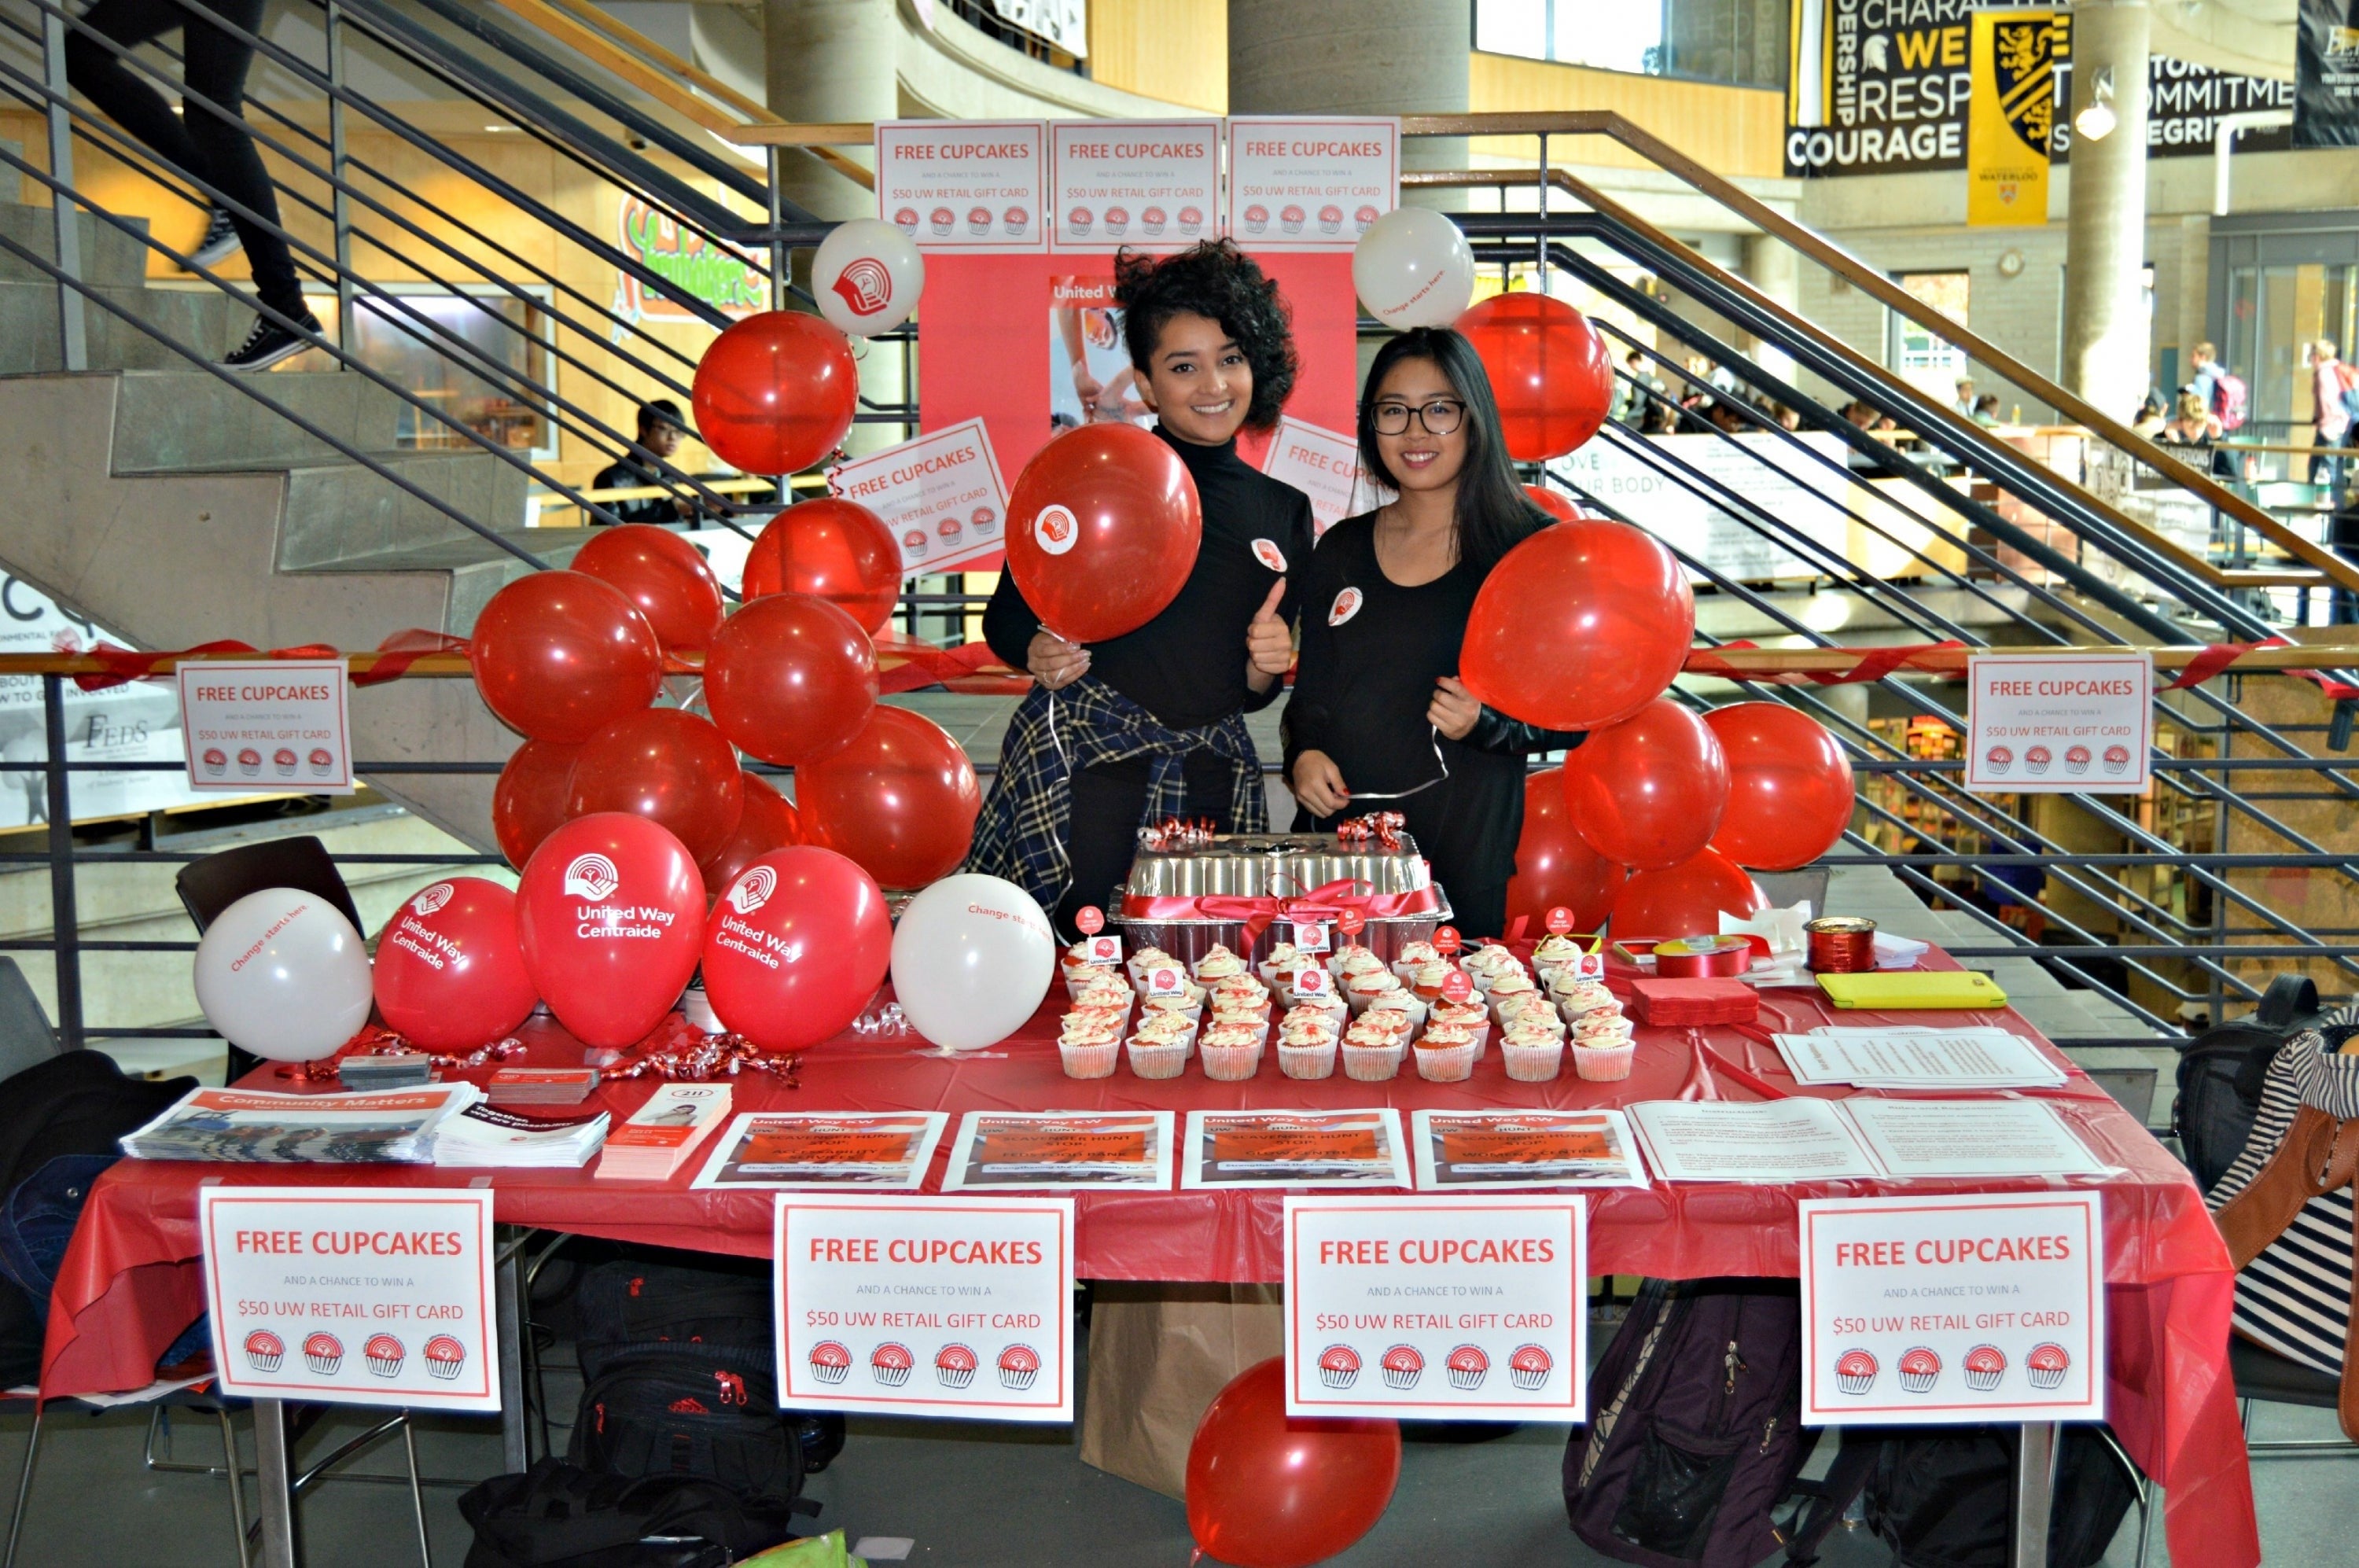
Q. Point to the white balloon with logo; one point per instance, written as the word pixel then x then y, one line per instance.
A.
pixel 866 276
pixel 282 974
pixel 972 957
pixel 1413 268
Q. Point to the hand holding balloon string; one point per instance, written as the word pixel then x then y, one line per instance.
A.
pixel 1453 709
pixel 1053 661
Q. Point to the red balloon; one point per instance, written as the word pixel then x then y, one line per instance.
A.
pixel 450 974
pixel 1790 788
pixel 663 574
pixel 901 799
pixel 770 821
pixel 1685 900
pixel 775 392
pixel 797 946
pixel 1579 626
pixel 559 656
pixel 837 550
pixel 668 766
pixel 1554 866
pixel 1549 370
pixel 1269 1491
pixel 1555 503
pixel 529 802
pixel 1103 530
pixel 611 918
pixel 1649 791
pixel 790 678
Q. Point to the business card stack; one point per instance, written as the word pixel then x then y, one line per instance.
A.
pixel 520 1086
pixel 661 1136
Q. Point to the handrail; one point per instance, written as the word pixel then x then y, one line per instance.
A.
pixel 626 51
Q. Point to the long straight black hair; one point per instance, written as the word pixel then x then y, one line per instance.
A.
pixel 1494 514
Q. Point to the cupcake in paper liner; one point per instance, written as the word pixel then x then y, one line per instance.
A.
pixel 2117 759
pixel 1403 1366
pixel 384 1355
pixel 891 1364
pixel 1018 1366
pixel 2036 759
pixel 264 1350
pixel 1984 1366
pixel 1468 1367
pixel 324 1354
pixel 1529 1367
pixel 1339 1366
pixel 1158 1057
pixel 2046 1365
pixel 2077 758
pixel 444 1356
pixel 829 1362
pixel 1855 1372
pixel 1919 1371
pixel 1535 1062
pixel 954 1366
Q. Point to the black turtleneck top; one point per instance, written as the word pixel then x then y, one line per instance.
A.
pixel 1187 665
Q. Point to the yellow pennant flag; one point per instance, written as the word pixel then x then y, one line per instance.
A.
pixel 2012 113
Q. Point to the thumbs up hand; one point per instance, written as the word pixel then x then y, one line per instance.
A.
pixel 1270 641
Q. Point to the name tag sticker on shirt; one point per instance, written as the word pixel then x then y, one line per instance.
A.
pixel 1056 529
pixel 1347 604
pixel 1268 554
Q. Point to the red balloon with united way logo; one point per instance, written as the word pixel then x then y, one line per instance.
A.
pixel 797 945
pixel 610 916
pixel 450 972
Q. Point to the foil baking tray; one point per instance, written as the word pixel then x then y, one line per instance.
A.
pixel 1275 866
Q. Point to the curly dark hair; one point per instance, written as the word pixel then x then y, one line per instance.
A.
pixel 1217 281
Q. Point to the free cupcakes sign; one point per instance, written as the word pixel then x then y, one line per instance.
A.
pixel 1437 1309
pixel 267 725
pixel 926 1306
pixel 2058 723
pixel 352 1297
pixel 1931 1310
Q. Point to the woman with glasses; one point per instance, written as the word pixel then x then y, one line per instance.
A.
pixel 1378 720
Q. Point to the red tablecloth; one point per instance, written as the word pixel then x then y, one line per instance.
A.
pixel 129 1284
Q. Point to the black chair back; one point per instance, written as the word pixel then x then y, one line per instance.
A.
pixel 25 1037
pixel 208 886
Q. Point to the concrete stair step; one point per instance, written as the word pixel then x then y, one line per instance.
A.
pixel 209 323
pixel 184 421
pixel 340 515
pixel 108 255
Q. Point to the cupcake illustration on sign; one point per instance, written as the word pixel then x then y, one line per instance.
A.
pixel 444 1357
pixel 985 522
pixel 264 1350
pixel 1403 1367
pixel 890 1364
pixel 323 762
pixel 249 762
pixel 1855 1372
pixel 1919 1371
pixel 829 1362
pixel 2076 759
pixel 2036 759
pixel 1331 219
pixel 2117 759
pixel 954 1366
pixel 941 220
pixel 1984 1366
pixel 913 545
pixel 1998 758
pixel 1151 221
pixel 1363 218
pixel 1017 219
pixel 1018 1366
pixel 324 1354
pixel 2046 1365
pixel 978 221
pixel 1079 220
pixel 1290 220
pixel 1117 220
pixel 216 761
pixel 1339 1366
pixel 1467 1367
pixel 1256 218
pixel 906 220
pixel 383 1354
pixel 283 760
pixel 1529 1367
pixel 1056 529
pixel 1192 220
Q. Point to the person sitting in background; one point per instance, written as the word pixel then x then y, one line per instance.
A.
pixel 1659 418
pixel 1986 409
pixel 1785 418
pixel 1630 399
pixel 661 431
pixel 2193 425
pixel 1965 403
pixel 1726 417
pixel 2150 417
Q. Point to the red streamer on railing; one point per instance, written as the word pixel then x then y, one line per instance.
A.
pixel 123 665
pixel 926 665
pixel 396 653
pixel 2214 659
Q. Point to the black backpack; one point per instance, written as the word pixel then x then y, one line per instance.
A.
pixel 1695 1430
pixel 1944 1496
pixel 678 1379
pixel 556 1515
pixel 2221 1072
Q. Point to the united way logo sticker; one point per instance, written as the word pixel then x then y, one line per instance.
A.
pixel 753 890
pixel 432 899
pixel 1347 604
pixel 592 876
pixel 1268 554
pixel 1056 529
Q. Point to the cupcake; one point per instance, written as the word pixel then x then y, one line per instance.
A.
pixel 1411 1012
pixel 1529 1367
pixel 1574 998
pixel 1444 1062
pixel 1183 1006
pixel 1285 961
pixel 1555 949
pixel 1533 1017
pixel 1984 1366
pixel 1367 987
pixel 1855 1372
pixel 1402 1365
pixel 1506 987
pixel 1467 1367
pixel 1371 1060
pixel 2046 1365
pixel 1310 1058
pixel 1404 963
pixel 1602 1030
pixel 1232 1052
pixel 1219 965
pixel 323 1354
pixel 1919 1371
pixel 1532 1060
pixel 384 1355
pixel 1339 1366
pixel 1018 1365
pixel 444 1357
pixel 264 1350
pixel 954 1366
pixel 1158 1057
pixel 829 1362
pixel 891 1364
pixel 1353 962
pixel 1599 1063
pixel 1425 980
pixel 1093 1059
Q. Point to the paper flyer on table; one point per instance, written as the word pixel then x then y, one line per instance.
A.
pixel 1295 1149
pixel 806 1150
pixel 1061 1150
pixel 1459 1150
pixel 1977 1138
pixel 1775 1140
pixel 1892 1057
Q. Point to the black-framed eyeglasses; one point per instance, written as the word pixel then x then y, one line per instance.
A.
pixel 1439 417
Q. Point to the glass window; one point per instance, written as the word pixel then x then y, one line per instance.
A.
pixel 416 353
pixel 1609 37
pixel 1513 27
pixel 1741 42
pixel 1926 361
pixel 2274 315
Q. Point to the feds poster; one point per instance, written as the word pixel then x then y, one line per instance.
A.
pixel 2012 118
pixel 2326 76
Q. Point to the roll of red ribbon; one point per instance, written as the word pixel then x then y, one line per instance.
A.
pixel 1694 957
pixel 1842 944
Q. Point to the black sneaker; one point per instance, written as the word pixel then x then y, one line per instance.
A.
pixel 220 239
pixel 270 343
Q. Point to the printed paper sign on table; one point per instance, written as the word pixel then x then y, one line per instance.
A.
pixel 1458 1151
pixel 352 1295
pixel 1325 466
pixel 1453 1308
pixel 1943 1310
pixel 825 1149
pixel 911 1305
pixel 1145 185
pixel 942 495
pixel 964 185
pixel 2056 722
pixel 1295 1149
pixel 1061 1151
pixel 267 724
pixel 1310 184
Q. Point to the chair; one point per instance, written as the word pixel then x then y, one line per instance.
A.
pixel 209 885
pixel 25 1037
pixel 178 1399
pixel 2263 1374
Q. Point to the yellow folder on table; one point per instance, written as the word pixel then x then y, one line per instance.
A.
pixel 1902 989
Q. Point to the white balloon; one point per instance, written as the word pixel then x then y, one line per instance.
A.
pixel 1413 268
pixel 283 974
pixel 867 276
pixel 972 958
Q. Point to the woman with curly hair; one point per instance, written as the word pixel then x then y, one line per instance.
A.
pixel 1119 734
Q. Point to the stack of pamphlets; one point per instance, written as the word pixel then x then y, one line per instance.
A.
pixel 385 1126
pixel 492 1136
pixel 1900 1057
pixel 542 1085
pixel 663 1133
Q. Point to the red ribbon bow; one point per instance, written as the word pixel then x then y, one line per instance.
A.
pixel 1322 903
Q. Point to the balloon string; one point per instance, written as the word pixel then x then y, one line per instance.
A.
pixel 1360 795
pixel 1066 762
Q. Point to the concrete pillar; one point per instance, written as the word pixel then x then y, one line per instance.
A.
pixel 1379 57
pixel 823 60
pixel 2105 326
pixel 1771 265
